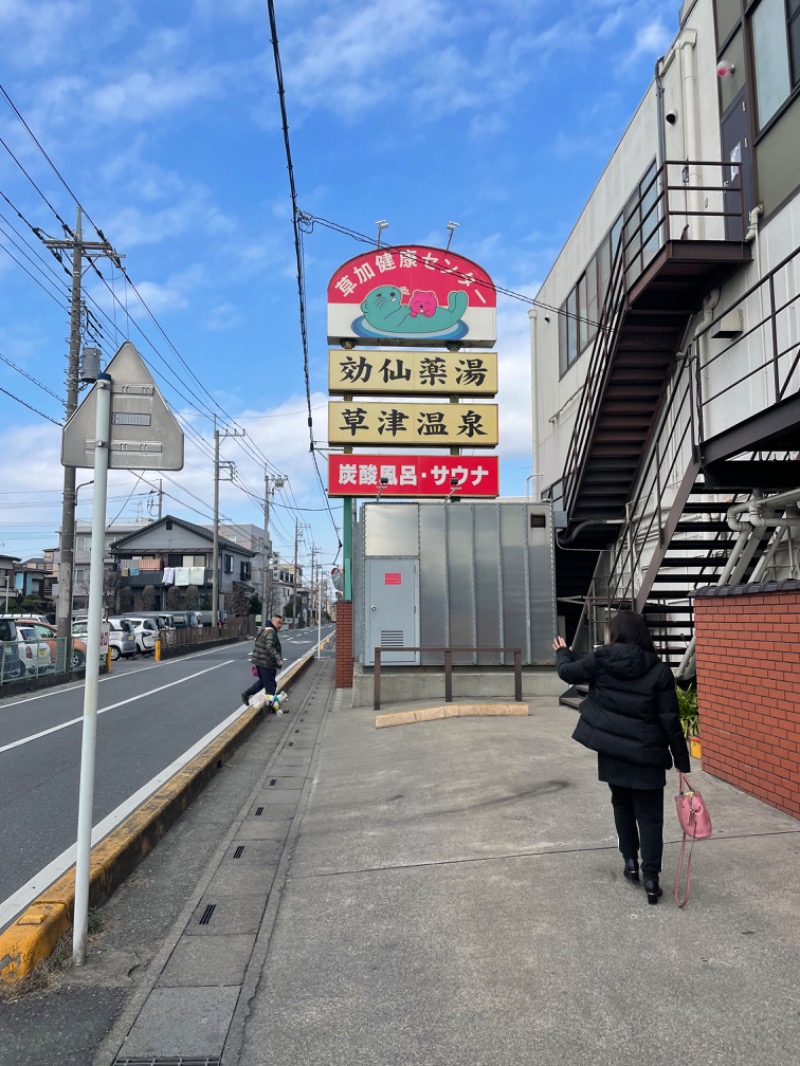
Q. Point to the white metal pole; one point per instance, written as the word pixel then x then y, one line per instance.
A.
pixel 86 795
pixel 319 619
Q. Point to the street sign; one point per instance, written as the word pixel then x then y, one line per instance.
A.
pixel 145 434
pixel 413 475
pixel 416 425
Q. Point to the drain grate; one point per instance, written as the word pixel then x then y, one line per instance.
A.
pixel 239 852
pixel 205 917
pixel 259 811
pixel 214 1060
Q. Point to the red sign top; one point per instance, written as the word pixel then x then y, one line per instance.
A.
pixel 413 295
pixel 417 268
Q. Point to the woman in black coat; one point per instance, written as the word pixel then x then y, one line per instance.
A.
pixel 630 718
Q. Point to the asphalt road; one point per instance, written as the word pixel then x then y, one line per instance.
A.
pixel 149 715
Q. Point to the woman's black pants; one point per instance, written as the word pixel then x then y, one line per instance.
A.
pixel 639 818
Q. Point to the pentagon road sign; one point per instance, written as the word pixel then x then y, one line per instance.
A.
pixel 144 433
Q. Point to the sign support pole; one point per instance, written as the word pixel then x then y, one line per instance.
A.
pixel 89 739
pixel 347 547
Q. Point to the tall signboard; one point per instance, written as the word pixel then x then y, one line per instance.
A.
pixel 408 369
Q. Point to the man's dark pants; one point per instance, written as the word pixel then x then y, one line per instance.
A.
pixel 267 679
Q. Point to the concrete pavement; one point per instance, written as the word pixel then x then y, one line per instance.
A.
pixel 450 892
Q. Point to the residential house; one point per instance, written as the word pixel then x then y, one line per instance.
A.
pixel 173 558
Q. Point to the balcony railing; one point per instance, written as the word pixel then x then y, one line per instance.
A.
pixel 668 211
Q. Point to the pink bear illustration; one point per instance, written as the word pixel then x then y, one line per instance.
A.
pixel 423 303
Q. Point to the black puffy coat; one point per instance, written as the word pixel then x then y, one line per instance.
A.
pixel 630 717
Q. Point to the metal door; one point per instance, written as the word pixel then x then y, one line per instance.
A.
pixel 738 176
pixel 391 610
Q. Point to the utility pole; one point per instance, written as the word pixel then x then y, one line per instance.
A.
pixel 80 250
pixel 266 570
pixel 215 549
pixel 296 539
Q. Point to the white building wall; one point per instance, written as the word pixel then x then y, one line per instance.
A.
pixel 696 135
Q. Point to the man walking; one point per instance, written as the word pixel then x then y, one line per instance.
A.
pixel 267 659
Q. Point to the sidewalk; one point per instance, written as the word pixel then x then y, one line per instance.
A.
pixel 450 893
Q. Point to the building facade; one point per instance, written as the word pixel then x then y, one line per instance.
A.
pixel 168 564
pixel 666 410
pixel 666 379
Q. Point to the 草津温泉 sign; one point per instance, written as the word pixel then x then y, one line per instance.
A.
pixel 413 475
pixel 423 373
pixel 413 424
pixel 413 296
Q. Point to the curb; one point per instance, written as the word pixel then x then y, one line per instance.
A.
pixel 34 935
pixel 452 710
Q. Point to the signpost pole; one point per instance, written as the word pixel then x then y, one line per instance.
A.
pixel 319 615
pixel 88 746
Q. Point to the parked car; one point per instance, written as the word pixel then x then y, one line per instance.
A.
pixel 162 619
pixel 48 633
pixel 121 638
pixel 11 666
pixel 145 631
pixel 34 653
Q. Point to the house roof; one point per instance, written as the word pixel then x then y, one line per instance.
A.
pixel 200 531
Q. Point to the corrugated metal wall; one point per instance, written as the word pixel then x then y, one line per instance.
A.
pixel 486 574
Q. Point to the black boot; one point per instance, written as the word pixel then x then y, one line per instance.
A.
pixel 653 889
pixel 631 871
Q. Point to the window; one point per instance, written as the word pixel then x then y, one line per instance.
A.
pixel 83 544
pixel 775 36
pixel 194 560
pixel 580 312
pixel 245 571
pixel 228 564
pixel 174 560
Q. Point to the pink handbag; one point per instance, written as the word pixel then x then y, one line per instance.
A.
pixel 695 824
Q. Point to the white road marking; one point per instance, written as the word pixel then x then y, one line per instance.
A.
pixel 111 707
pixel 19 900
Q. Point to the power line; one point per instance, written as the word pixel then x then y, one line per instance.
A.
pixel 30 407
pixel 298 245
pixel 30 377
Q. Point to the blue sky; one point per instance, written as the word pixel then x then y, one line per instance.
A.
pixel 163 119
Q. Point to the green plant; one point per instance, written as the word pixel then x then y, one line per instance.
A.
pixel 687 708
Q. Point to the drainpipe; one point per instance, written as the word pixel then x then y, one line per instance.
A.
pixel 692 126
pixel 661 150
pixel 532 315
pixel 752 512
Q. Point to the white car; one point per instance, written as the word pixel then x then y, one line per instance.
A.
pixel 34 653
pixel 121 639
pixel 145 630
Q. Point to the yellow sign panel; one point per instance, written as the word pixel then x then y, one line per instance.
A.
pixel 413 424
pixel 422 373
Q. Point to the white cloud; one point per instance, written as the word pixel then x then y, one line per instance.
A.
pixel 190 209
pixel 34 32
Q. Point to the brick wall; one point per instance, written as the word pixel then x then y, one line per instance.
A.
pixel 344 645
pixel 748 684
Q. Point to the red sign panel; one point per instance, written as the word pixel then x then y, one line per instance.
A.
pixel 413 295
pixel 413 475
pixel 392 579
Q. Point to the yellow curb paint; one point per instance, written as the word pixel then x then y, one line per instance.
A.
pixel 34 935
pixel 452 710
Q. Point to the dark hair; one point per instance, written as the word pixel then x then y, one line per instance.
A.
pixel 628 627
